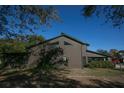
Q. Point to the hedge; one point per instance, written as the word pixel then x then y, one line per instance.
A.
pixel 101 64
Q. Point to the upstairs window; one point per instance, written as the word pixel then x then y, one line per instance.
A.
pixel 66 43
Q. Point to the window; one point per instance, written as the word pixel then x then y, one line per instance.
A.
pixel 66 43
pixel 65 60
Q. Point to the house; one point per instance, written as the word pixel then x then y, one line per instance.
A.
pixel 121 52
pixel 74 50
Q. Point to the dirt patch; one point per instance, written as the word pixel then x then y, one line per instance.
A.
pixel 67 78
pixel 96 77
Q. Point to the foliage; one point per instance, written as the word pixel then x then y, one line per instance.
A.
pixel 21 19
pixel 13 59
pixel 34 39
pixel 113 14
pixel 50 59
pixel 12 47
pixel 13 51
pixel 19 44
pixel 101 64
pixel 115 53
pixel 104 52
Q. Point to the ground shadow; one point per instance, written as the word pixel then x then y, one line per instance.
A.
pixel 107 84
pixel 36 81
pixel 50 80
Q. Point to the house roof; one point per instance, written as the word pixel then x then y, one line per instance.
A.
pixel 62 34
pixel 97 53
pixel 74 39
pixel 121 51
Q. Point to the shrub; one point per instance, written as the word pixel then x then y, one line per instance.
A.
pixel 49 59
pixel 13 60
pixel 101 64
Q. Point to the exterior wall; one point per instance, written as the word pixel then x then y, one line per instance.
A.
pixel 35 52
pixel 84 55
pixel 73 52
pixel 89 54
pixel 34 55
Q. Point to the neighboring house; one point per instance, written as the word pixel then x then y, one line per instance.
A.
pixel 121 52
pixel 74 50
pixel 118 58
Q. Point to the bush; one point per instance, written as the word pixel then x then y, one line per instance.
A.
pixel 101 64
pixel 49 60
pixel 13 60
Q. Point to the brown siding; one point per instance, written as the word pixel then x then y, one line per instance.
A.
pixel 72 52
pixel 34 55
pixel 89 54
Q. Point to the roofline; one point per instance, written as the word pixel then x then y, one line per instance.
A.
pixel 56 38
pixel 121 51
pixel 97 53
pixel 43 42
pixel 74 39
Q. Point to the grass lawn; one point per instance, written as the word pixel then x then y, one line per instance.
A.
pixel 97 72
pixel 62 78
pixel 104 72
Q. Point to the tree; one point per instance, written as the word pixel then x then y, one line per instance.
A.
pixel 34 39
pixel 19 44
pixel 101 51
pixel 113 14
pixel 13 52
pixel 117 55
pixel 114 53
pixel 15 20
pixel 15 47
pixel 49 59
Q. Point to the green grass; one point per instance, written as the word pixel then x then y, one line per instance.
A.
pixel 104 72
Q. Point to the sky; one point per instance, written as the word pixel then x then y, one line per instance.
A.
pixel 92 31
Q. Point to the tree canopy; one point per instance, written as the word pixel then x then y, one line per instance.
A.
pixel 19 44
pixel 112 14
pixel 15 20
pixel 105 52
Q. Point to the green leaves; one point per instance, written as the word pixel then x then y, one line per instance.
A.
pixel 49 59
pixel 12 47
pixel 101 64
pixel 34 39
pixel 15 20
pixel 88 10
pixel 19 44
pixel 112 14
